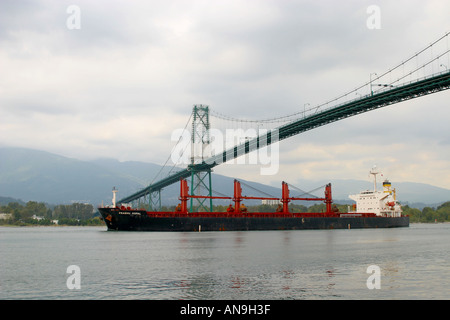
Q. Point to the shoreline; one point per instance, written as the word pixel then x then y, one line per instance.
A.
pixel 44 226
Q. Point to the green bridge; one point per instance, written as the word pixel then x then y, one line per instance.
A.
pixel 373 101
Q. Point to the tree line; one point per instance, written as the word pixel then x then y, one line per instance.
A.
pixel 39 213
pixel 428 214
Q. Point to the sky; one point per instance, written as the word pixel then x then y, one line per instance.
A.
pixel 114 79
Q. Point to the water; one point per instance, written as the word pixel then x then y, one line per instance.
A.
pixel 306 264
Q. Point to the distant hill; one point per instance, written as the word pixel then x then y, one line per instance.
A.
pixel 34 175
pixel 45 177
pixel 5 200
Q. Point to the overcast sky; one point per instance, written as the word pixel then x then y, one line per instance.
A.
pixel 121 83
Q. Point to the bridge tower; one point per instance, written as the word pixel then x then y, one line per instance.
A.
pixel 200 140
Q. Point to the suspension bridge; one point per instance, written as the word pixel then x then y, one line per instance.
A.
pixel 426 72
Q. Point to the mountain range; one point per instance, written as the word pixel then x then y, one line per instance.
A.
pixel 34 175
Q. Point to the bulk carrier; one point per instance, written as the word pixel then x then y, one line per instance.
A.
pixel 373 209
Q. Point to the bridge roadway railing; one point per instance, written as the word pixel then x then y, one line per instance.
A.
pixel 382 98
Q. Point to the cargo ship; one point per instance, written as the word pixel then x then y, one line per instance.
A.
pixel 373 209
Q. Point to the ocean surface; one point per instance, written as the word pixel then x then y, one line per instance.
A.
pixel 92 263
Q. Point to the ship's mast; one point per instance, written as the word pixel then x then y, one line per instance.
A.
pixel 114 190
pixel 374 172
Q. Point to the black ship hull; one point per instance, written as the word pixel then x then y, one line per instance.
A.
pixel 138 220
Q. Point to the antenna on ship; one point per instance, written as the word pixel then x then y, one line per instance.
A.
pixel 374 172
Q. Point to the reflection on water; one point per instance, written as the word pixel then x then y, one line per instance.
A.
pixel 307 264
pixel 390 274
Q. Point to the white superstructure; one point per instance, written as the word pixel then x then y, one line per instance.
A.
pixel 382 203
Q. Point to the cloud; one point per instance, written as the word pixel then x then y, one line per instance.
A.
pixel 121 84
